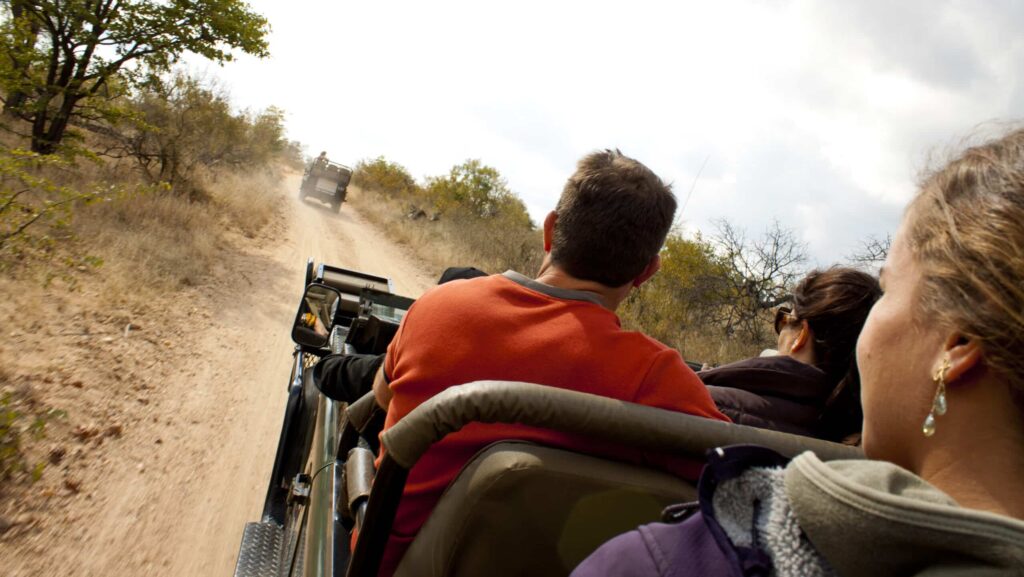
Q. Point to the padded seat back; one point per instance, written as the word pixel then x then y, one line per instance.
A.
pixel 523 509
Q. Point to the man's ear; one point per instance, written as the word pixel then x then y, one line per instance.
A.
pixel 549 229
pixel 651 268
pixel 963 353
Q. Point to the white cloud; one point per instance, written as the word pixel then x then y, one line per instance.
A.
pixel 827 107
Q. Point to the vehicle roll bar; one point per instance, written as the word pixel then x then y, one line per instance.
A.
pixel 593 416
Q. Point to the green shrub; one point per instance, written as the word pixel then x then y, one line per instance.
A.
pixel 35 203
pixel 384 177
pixel 13 430
pixel 472 217
pixel 475 190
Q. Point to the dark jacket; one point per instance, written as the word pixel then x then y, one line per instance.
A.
pixel 814 519
pixel 346 378
pixel 778 393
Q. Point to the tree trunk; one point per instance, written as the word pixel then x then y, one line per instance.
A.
pixel 39 142
pixel 45 139
pixel 17 99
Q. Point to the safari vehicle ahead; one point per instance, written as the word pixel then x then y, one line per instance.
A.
pixel 516 508
pixel 326 181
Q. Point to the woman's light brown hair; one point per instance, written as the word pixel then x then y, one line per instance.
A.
pixel 966 229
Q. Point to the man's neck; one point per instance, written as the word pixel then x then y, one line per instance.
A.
pixel 610 298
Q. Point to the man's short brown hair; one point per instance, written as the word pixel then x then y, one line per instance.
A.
pixel 613 217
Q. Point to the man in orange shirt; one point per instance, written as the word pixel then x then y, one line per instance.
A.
pixel 559 329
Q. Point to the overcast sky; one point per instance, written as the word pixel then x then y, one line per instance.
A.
pixel 819 114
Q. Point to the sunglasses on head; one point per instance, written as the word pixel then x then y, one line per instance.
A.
pixel 780 317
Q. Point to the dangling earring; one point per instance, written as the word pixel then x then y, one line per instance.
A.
pixel 939 402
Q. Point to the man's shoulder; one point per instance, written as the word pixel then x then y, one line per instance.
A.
pixel 645 345
pixel 460 288
pixel 510 285
pixel 456 299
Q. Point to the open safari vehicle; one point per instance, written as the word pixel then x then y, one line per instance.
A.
pixel 516 508
pixel 326 181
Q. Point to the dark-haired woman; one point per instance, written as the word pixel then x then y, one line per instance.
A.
pixel 812 386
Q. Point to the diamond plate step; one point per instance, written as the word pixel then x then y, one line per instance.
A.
pixel 260 553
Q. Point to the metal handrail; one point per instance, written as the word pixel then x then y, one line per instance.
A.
pixel 320 527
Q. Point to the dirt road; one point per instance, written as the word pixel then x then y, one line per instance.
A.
pixel 170 496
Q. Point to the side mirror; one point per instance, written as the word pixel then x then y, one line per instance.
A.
pixel 315 319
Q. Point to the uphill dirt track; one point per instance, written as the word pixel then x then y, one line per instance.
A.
pixel 171 497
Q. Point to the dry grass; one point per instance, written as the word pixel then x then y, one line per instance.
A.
pixel 152 238
pixel 453 242
pixel 247 200
pixel 159 241
pixel 144 238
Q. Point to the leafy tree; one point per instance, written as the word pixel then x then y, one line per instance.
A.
pixel 181 124
pixel 471 209
pixel 694 276
pixel 478 190
pixel 719 286
pixel 265 138
pixel 292 154
pixel 61 60
pixel 383 176
pixel 687 292
pixel 185 125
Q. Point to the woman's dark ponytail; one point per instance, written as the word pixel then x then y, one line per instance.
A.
pixel 835 303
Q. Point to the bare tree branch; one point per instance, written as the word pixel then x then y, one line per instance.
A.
pixel 872 252
pixel 760 277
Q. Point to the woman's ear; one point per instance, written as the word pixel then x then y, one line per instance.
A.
pixel 801 348
pixel 964 354
pixel 802 338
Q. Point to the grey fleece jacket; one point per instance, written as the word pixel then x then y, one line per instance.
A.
pixel 761 517
pixel 875 519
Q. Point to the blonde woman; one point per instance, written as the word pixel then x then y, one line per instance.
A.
pixel 941 358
